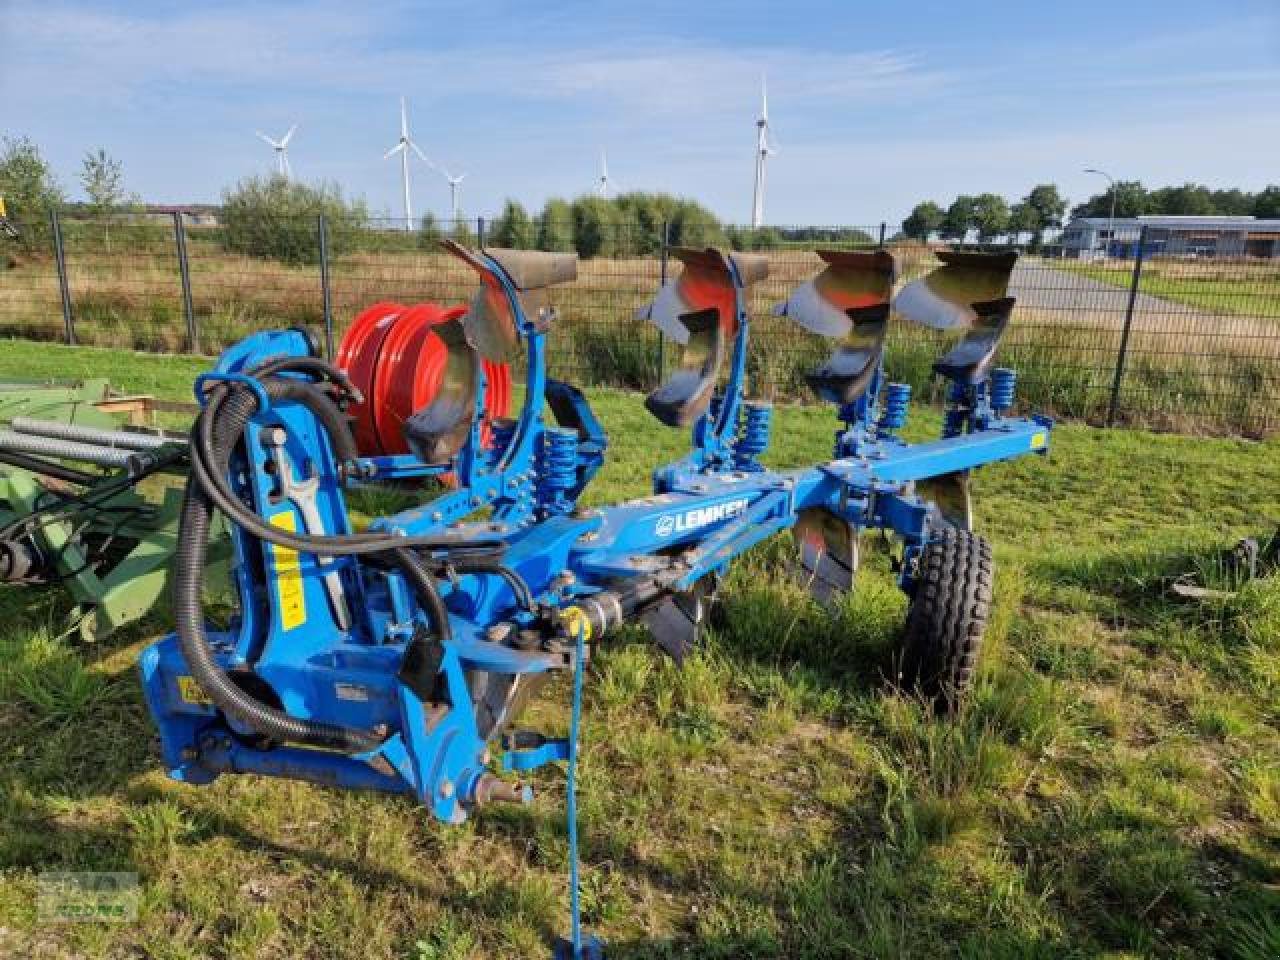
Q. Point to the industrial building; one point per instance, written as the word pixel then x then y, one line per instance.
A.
pixel 1172 236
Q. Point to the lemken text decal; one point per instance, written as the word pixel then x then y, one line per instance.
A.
pixel 699 517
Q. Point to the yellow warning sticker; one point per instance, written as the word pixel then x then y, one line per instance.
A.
pixel 575 620
pixel 1039 440
pixel 192 692
pixel 290 595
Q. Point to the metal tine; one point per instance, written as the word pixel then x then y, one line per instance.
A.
pixel 850 280
pixel 944 298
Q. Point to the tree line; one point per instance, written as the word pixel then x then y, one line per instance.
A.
pixel 1190 199
pixel 274 217
pixel 988 215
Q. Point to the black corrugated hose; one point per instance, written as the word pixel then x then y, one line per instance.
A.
pixel 218 430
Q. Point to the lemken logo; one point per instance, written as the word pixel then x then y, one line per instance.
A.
pixel 699 517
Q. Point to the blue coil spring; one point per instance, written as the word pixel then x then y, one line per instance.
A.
pixel 559 458
pixel 1003 384
pixel 897 398
pixel 753 434
pixel 503 429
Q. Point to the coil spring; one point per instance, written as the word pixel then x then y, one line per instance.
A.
pixel 1003 384
pixel 559 459
pixel 897 398
pixel 753 434
pixel 502 430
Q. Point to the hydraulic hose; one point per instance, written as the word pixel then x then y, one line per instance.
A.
pixel 238 704
pixel 222 424
pixel 219 429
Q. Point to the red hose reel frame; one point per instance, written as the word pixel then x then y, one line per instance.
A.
pixel 395 360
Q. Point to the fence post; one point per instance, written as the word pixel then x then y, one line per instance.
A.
pixel 1114 406
pixel 662 261
pixel 64 287
pixel 326 295
pixel 480 232
pixel 883 226
pixel 184 272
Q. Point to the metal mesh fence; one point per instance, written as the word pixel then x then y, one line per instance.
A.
pixel 1145 330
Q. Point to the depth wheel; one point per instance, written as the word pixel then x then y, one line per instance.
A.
pixel 947 619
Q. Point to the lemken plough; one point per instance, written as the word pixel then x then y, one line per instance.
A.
pixel 398 658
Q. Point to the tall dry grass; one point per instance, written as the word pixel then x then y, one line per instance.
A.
pixel 1187 367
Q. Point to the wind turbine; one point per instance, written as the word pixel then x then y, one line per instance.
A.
pixel 454 183
pixel 603 182
pixel 281 147
pixel 764 147
pixel 402 147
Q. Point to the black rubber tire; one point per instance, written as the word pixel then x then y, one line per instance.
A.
pixel 947 619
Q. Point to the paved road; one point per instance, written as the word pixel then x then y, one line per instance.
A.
pixel 1037 284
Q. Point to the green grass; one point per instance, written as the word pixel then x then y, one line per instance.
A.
pixel 1113 791
pixel 1223 287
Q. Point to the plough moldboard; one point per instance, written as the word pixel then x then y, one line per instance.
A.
pixel 398 658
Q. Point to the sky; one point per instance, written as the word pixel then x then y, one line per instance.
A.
pixel 874 106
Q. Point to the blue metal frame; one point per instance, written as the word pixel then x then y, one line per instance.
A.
pixel 708 508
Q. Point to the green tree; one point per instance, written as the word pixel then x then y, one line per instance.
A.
pixel 277 218
pixel 1234 202
pixel 644 216
pixel 102 177
pixel 430 233
pixel 1190 199
pixel 595 227
pixel 1024 218
pixel 30 192
pixel 555 226
pixel 1266 203
pixel 513 228
pixel 960 217
pixel 693 225
pixel 925 218
pixel 1037 212
pixel 1132 200
pixel 1048 204
pixel 990 215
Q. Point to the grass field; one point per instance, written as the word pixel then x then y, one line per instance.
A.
pixel 1113 791
pixel 1240 287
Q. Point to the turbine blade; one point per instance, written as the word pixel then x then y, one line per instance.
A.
pixel 288 136
pixel 404 120
pixel 764 100
pixel 425 159
pixel 265 139
pixel 394 150
pixel 288 170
